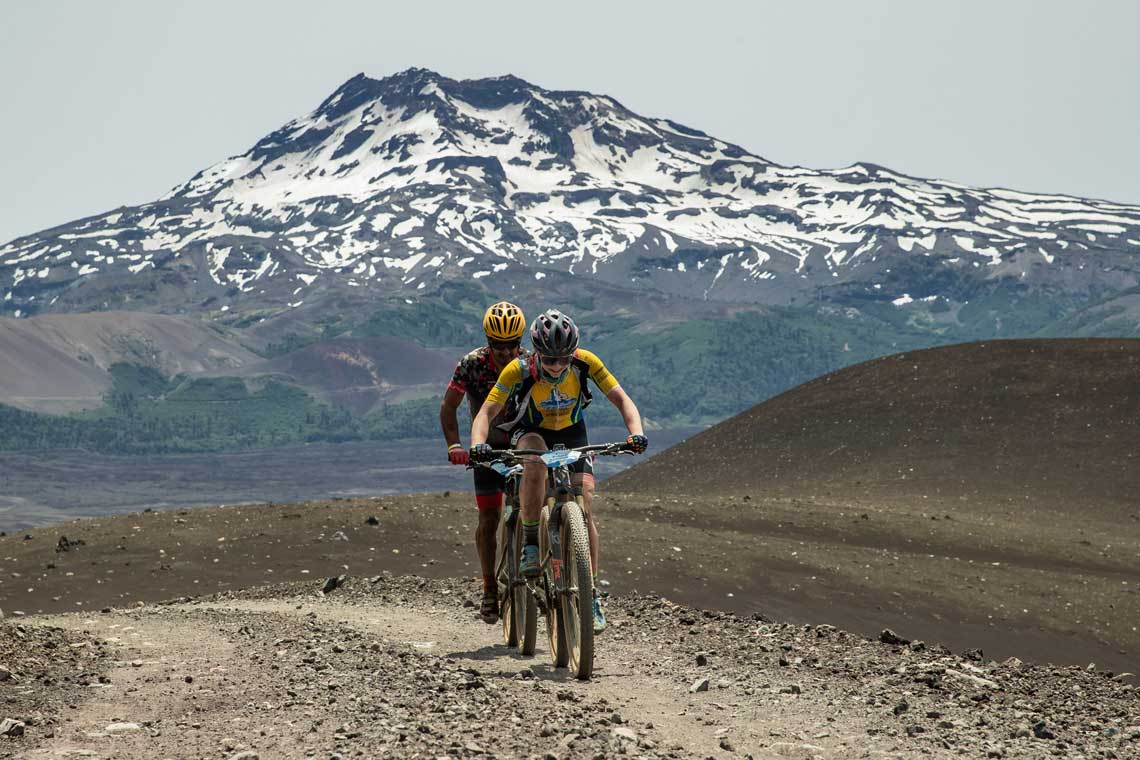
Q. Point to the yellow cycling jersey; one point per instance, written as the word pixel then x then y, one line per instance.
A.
pixel 546 405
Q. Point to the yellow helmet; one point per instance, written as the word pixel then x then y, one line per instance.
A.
pixel 504 321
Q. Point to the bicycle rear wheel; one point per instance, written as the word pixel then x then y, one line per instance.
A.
pixel 577 600
pixel 523 607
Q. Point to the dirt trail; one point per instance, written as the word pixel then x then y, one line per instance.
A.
pixel 692 721
pixel 231 706
pixel 400 667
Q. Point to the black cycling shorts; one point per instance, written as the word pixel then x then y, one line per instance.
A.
pixel 487 481
pixel 570 437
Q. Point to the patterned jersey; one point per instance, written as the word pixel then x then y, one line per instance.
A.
pixel 547 405
pixel 475 376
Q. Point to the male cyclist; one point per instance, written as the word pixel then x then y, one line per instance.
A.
pixel 475 374
pixel 550 390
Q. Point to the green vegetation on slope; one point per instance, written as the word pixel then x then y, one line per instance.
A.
pixel 147 413
pixel 700 370
pixel 706 370
pixel 694 371
pixel 1117 316
pixel 453 318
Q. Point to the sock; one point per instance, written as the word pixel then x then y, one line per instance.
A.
pixel 530 532
pixel 489 583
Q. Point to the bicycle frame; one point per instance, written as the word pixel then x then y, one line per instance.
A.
pixel 558 491
pixel 558 594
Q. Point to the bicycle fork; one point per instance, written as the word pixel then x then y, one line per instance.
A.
pixel 555 498
pixel 507 570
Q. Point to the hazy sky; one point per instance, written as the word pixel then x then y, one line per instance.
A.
pixel 110 103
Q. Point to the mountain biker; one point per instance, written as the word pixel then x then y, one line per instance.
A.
pixel 475 375
pixel 549 391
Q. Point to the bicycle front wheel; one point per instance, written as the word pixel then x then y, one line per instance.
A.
pixel 552 574
pixel 505 575
pixel 523 606
pixel 578 591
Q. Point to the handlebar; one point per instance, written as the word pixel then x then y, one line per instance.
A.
pixel 605 449
pixel 512 456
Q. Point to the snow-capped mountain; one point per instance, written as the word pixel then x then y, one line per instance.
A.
pixel 399 184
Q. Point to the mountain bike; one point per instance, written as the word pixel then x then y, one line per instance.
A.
pixel 517 606
pixel 564 591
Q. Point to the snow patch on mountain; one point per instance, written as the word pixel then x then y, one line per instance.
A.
pixel 391 181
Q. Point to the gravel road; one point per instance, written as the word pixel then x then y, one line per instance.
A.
pixel 399 666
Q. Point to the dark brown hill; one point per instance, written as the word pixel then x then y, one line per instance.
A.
pixel 1053 422
pixel 360 373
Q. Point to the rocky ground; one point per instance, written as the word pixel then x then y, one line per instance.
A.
pixel 44 668
pixel 1037 586
pixel 399 666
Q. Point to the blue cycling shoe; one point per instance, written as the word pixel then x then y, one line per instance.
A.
pixel 599 616
pixel 529 565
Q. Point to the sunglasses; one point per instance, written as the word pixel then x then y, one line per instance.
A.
pixel 499 345
pixel 554 361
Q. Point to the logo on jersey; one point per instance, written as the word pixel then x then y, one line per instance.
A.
pixel 557 401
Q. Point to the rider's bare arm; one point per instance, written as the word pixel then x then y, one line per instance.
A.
pixel 449 415
pixel 628 409
pixel 481 425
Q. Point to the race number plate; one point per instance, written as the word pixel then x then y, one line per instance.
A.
pixel 559 458
pixel 506 470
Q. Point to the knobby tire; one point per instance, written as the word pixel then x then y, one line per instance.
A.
pixel 578 608
pixel 525 609
pixel 506 606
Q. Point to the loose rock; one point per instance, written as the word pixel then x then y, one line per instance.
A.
pixel 333 583
pixel 11 727
pixel 890 637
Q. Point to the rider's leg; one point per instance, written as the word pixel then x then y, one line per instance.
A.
pixel 489 498
pixel 582 478
pixel 485 540
pixel 531 494
pixel 486 535
pixel 533 489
